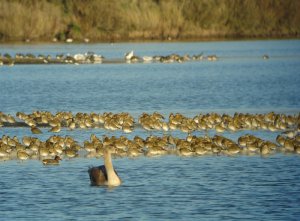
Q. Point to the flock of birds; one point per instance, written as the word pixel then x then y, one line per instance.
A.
pixel 93 58
pixel 131 57
pixel 57 147
pixel 152 121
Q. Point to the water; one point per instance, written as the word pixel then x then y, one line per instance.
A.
pixel 240 80
pixel 162 188
pixel 166 187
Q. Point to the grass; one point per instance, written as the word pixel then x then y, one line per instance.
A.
pixel 111 20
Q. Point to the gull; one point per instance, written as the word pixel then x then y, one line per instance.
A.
pixel 129 55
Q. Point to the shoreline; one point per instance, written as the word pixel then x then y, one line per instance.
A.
pixel 141 40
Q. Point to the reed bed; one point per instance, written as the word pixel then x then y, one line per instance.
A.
pixel 113 20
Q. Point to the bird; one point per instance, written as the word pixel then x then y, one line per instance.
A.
pixel 35 130
pixel 105 175
pixel 55 129
pixel 22 155
pixel 129 55
pixel 265 57
pixel 147 58
pixel 54 161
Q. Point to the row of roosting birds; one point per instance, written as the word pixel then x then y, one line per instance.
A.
pixel 153 121
pixel 67 147
pixel 93 58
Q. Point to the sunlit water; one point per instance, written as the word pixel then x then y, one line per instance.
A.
pixel 166 187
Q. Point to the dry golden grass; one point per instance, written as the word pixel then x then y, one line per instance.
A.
pixel 147 19
pixel 35 21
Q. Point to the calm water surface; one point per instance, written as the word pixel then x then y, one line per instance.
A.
pixel 159 188
pixel 162 188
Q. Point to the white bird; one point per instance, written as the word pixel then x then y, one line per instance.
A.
pixel 129 55
pixel 79 57
pixel 147 58
pixel 69 40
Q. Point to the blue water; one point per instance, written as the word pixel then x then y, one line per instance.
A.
pixel 163 188
pixel 240 80
pixel 157 188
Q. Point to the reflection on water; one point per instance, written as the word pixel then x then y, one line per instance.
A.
pixel 157 188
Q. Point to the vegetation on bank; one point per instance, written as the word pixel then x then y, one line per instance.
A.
pixel 112 20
